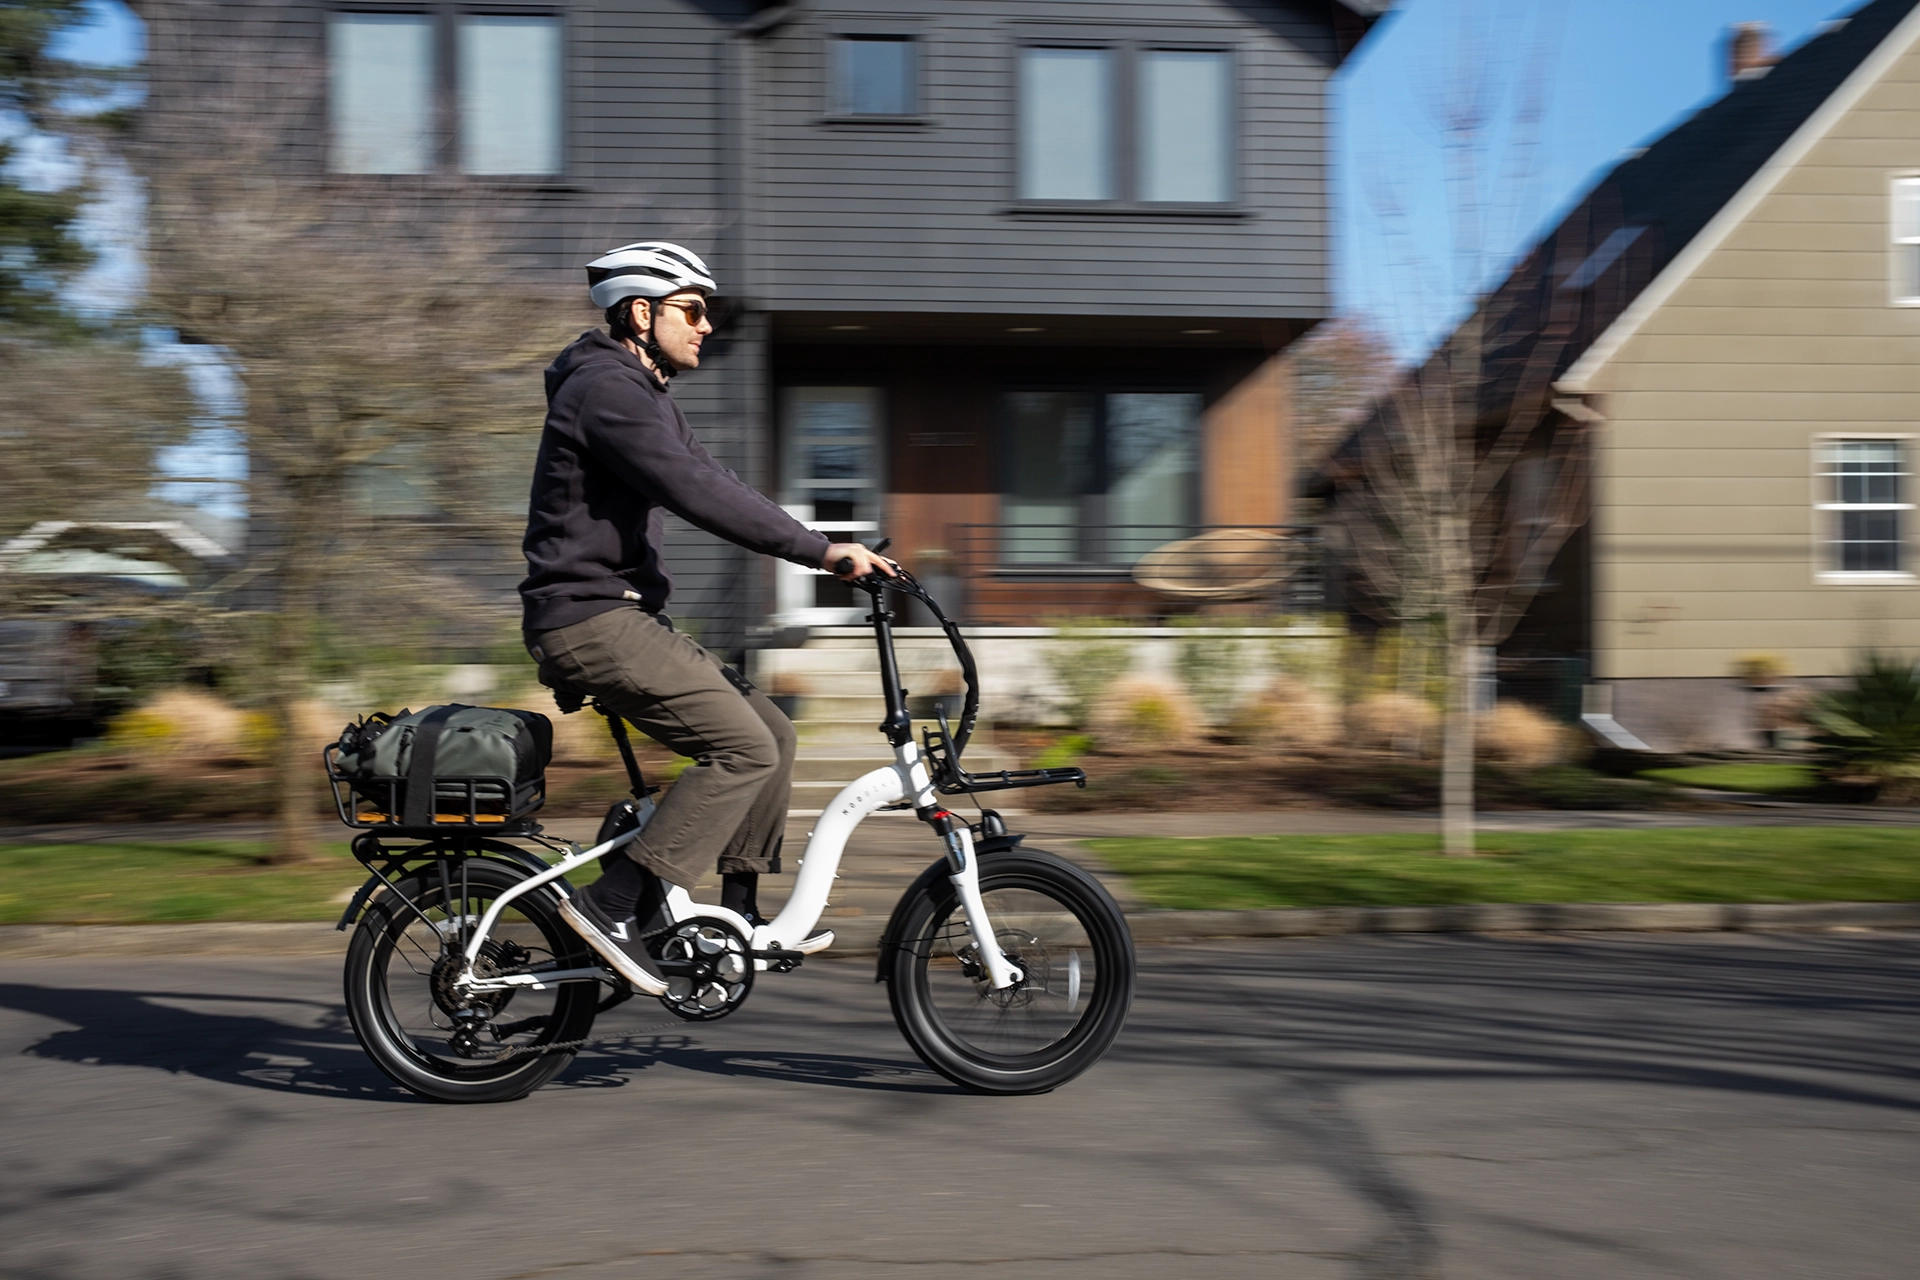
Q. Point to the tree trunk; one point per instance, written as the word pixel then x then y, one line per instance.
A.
pixel 296 761
pixel 1456 763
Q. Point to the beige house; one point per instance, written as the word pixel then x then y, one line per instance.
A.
pixel 1737 316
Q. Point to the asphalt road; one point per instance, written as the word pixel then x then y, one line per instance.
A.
pixel 1620 1106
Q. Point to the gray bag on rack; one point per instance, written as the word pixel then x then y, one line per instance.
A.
pixel 452 755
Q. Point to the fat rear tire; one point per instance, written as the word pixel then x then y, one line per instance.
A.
pixel 383 983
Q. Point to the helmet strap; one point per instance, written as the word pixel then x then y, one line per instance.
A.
pixel 647 343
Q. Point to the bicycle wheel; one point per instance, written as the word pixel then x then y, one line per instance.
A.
pixel 400 969
pixel 1068 937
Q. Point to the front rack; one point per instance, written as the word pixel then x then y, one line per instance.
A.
pixel 949 778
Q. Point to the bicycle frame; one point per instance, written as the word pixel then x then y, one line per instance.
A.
pixel 916 776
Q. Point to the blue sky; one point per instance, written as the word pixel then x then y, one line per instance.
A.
pixel 1605 75
pixel 1610 75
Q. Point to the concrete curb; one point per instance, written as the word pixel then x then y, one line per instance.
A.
pixel 862 935
pixel 1526 917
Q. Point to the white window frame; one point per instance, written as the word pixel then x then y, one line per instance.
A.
pixel 1903 234
pixel 1826 513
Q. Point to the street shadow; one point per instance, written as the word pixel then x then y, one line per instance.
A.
pixel 614 1066
pixel 226 1038
pixel 286 1044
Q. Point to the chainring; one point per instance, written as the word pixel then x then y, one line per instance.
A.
pixel 721 968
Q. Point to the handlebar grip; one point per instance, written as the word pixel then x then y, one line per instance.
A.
pixel 843 565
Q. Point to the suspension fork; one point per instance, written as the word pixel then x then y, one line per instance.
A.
pixel 965 879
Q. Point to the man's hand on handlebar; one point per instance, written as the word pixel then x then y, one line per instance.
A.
pixel 850 560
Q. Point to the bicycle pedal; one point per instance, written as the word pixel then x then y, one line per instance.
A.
pixel 778 960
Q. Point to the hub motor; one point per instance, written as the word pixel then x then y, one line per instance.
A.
pixel 709 969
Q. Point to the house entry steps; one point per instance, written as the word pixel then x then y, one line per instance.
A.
pixel 830 686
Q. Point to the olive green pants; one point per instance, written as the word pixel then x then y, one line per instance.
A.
pixel 730 805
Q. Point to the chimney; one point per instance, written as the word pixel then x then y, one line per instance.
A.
pixel 1750 52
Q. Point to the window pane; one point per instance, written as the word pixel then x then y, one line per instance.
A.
pixel 832 462
pixel 1870 541
pixel 510 95
pixel 1906 271
pixel 876 76
pixel 1153 453
pixel 1066 113
pixel 1049 459
pixel 380 92
pixel 1906 209
pixel 1185 126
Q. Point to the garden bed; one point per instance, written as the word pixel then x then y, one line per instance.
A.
pixel 1212 777
pixel 105 784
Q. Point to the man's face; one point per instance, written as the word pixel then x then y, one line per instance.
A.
pixel 676 331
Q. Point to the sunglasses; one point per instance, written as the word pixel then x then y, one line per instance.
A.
pixel 696 310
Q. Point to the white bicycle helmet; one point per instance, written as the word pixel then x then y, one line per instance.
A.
pixel 648 269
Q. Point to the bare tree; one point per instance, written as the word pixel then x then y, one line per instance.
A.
pixel 364 326
pixel 1339 370
pixel 1445 540
pixel 81 426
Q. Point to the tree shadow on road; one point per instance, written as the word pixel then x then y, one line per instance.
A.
pixel 277 1043
pixel 287 1044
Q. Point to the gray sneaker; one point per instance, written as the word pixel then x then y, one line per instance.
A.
pixel 617 941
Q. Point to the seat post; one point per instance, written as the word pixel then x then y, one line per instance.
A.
pixel 618 728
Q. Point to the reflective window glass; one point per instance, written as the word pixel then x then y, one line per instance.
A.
pixel 1867 502
pixel 875 75
pixel 510 95
pixel 1185 126
pixel 380 92
pixel 1066 124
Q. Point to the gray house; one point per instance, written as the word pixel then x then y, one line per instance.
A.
pixel 1012 279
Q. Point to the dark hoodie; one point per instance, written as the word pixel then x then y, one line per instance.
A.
pixel 616 455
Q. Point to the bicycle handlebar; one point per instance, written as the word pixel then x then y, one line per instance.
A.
pixel 906 584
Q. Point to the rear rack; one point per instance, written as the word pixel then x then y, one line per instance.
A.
pixel 492 805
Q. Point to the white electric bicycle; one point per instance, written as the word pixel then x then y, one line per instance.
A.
pixel 1009 970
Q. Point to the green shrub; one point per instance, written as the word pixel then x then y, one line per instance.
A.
pixel 1870 733
pixel 1063 751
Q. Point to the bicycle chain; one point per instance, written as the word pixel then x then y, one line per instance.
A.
pixel 567 1046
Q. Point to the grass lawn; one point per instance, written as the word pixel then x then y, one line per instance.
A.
pixel 1766 779
pixel 135 883
pixel 1696 864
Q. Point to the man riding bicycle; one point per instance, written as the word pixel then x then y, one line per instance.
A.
pixel 616 454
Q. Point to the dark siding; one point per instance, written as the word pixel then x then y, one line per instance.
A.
pixel 916 217
pixel 818 217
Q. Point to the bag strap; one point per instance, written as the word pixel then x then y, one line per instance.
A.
pixel 426 745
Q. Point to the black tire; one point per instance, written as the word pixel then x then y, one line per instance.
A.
pixel 401 1011
pixel 1056 922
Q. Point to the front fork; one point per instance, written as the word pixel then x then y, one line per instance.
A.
pixel 1001 972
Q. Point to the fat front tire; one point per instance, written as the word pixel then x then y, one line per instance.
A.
pixel 399 1000
pixel 1063 930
